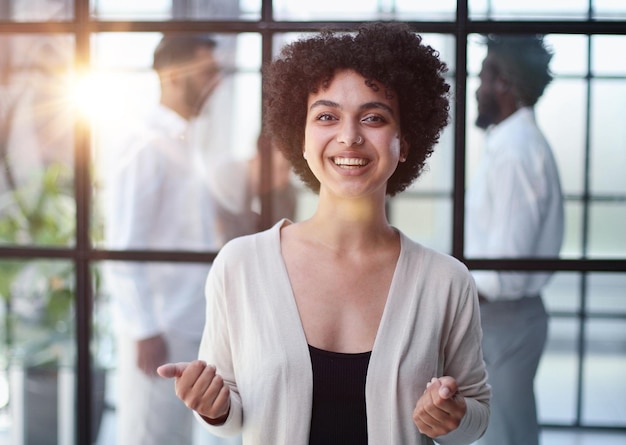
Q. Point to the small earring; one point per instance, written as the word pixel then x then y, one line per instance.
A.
pixel 402 158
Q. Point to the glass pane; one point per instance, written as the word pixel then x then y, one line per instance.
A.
pixel 36 140
pixel 427 220
pixel 307 201
pixel 280 40
pixel 424 11
pixel 38 350
pixel 604 387
pixel 528 10
pixel 445 45
pixel 557 376
pixel 37 10
pixel 364 10
pixel 561 114
pixel 438 173
pixel 580 436
pixel 218 144
pixel 606 293
pixel 570 54
pixel 562 293
pixel 162 10
pixel 476 52
pixel 603 50
pixel 103 360
pixel 608 137
pixel 102 427
pixel 474 136
pixel 573 238
pixel 607 237
pixel 437 177
pixel 609 9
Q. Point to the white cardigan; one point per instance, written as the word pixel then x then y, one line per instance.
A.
pixel 430 327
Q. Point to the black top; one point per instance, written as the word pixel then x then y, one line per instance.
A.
pixel 338 415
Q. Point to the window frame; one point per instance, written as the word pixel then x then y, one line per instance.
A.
pixel 84 255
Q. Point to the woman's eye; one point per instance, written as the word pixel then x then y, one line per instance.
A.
pixel 374 119
pixel 325 117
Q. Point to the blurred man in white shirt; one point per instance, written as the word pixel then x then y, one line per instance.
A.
pixel 158 198
pixel 514 209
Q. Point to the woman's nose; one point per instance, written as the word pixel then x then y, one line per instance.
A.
pixel 349 135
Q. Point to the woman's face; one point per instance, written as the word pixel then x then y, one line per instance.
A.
pixel 352 136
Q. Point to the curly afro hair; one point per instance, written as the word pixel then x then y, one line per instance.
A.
pixel 390 54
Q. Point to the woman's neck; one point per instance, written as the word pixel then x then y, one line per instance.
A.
pixel 354 226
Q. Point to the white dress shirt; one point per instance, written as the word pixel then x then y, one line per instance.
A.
pixel 514 206
pixel 158 198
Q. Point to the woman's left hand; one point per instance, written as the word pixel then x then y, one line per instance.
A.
pixel 440 408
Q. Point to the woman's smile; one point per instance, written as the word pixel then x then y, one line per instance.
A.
pixel 350 163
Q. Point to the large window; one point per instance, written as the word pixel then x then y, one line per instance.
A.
pixel 76 74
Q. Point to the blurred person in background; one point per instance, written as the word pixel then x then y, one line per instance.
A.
pixel 238 190
pixel 159 198
pixel 514 210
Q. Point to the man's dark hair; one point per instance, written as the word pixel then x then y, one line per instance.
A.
pixel 524 60
pixel 177 50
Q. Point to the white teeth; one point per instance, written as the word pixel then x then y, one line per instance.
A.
pixel 350 162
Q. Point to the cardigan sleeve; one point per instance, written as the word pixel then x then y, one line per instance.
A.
pixel 464 362
pixel 216 348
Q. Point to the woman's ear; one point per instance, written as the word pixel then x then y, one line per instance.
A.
pixel 404 149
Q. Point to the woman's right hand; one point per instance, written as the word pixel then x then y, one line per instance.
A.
pixel 200 387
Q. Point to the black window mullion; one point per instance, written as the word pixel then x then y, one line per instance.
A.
pixel 586 202
pixel 458 190
pixel 83 294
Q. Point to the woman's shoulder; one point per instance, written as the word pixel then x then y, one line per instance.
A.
pixel 430 258
pixel 443 276
pixel 253 245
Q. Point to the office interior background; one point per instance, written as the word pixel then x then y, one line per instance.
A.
pixel 74 74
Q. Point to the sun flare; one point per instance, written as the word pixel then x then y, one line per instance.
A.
pixel 93 94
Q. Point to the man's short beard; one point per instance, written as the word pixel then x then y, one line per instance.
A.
pixel 483 121
pixel 489 114
pixel 194 101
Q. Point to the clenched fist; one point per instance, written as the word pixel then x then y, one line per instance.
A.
pixel 200 387
pixel 440 408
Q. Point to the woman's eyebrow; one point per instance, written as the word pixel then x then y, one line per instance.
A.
pixel 324 103
pixel 370 105
pixel 365 106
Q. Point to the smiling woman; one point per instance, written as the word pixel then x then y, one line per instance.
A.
pixel 579 383
pixel 357 115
